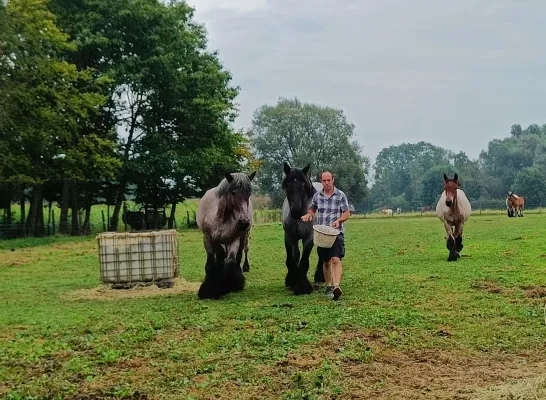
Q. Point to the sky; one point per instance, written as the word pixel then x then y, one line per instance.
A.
pixel 454 73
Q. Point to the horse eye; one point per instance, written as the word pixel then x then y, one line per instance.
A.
pixel 234 192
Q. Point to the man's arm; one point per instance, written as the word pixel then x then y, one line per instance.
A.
pixel 312 210
pixel 345 214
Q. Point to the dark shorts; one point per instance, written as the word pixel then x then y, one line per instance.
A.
pixel 337 249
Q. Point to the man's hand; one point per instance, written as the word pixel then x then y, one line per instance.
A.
pixel 307 217
pixel 335 224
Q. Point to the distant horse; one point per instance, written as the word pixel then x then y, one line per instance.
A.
pixel 453 209
pixel 398 211
pixel 299 192
pixel 224 215
pixel 515 205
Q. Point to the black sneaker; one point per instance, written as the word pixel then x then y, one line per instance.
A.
pixel 336 293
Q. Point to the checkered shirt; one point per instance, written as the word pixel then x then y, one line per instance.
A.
pixel 327 210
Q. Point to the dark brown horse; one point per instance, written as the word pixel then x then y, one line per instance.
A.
pixel 515 205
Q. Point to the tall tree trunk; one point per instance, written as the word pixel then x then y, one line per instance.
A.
pixel 65 202
pixel 23 208
pixel 75 231
pixel 35 215
pixel 171 216
pixel 117 206
pixel 8 213
pixel 87 218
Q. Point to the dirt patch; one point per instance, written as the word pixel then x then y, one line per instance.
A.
pixel 105 292
pixel 523 389
pixel 535 292
pixel 487 286
pixel 437 374
pixel 17 258
pixel 394 374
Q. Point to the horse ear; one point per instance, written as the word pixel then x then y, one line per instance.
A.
pixel 252 175
pixel 456 177
pixel 286 168
pixel 445 177
pixel 305 169
pixel 229 178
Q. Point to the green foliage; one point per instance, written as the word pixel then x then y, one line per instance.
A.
pixel 301 133
pixel 414 171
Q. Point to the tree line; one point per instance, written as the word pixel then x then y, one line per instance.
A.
pixel 102 95
pixel 409 175
pixel 102 99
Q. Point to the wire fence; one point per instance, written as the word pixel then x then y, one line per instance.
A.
pixel 260 217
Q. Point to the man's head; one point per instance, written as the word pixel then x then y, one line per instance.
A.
pixel 327 180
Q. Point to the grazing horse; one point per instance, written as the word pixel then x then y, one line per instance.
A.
pixel 299 192
pixel 453 209
pixel 224 215
pixel 515 205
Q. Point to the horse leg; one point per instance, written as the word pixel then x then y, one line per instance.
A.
pixel 234 278
pixel 450 244
pixel 319 274
pixel 290 279
pixel 246 265
pixel 303 286
pixel 211 288
pixel 459 239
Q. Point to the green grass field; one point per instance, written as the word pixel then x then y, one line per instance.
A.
pixel 409 325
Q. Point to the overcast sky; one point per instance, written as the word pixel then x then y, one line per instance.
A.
pixel 454 73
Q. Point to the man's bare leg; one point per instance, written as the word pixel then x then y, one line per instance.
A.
pixel 337 271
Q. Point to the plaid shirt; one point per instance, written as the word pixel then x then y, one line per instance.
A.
pixel 329 209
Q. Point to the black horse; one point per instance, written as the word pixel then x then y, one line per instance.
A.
pixel 299 192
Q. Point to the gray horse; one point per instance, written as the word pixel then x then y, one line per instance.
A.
pixel 299 192
pixel 224 215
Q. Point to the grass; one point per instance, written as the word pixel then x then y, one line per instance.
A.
pixel 409 325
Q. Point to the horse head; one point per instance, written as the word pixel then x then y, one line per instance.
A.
pixel 450 187
pixel 298 188
pixel 234 192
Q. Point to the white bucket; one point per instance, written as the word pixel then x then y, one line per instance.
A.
pixel 324 236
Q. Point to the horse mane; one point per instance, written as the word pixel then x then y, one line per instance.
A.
pixel 240 183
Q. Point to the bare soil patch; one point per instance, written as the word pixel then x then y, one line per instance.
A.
pixel 534 292
pixel 105 292
pixel 487 286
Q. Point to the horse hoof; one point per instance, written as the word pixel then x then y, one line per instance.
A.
pixel 208 291
pixel 303 287
pixel 246 267
pixel 452 258
pixel 289 281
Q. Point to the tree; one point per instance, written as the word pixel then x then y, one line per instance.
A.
pixel 304 133
pixel 45 105
pixel 399 169
pixel 171 96
pixel 531 183
pixel 516 130
pixel 433 183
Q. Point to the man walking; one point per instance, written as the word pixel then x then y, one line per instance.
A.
pixel 331 208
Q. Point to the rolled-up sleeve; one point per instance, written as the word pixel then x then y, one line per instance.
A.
pixel 344 203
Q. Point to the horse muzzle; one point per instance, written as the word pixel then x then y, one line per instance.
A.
pixel 243 224
pixel 449 203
